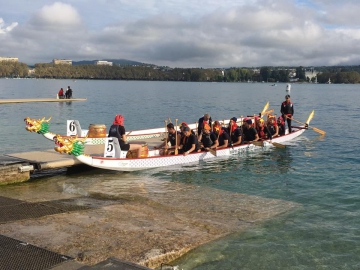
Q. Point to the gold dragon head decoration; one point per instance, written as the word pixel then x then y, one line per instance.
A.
pixel 40 126
pixel 69 145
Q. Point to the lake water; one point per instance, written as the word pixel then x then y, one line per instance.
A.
pixel 321 174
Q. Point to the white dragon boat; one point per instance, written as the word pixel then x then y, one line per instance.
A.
pixel 116 159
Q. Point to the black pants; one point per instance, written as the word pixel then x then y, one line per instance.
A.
pixel 288 120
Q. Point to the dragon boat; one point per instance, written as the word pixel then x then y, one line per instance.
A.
pixel 117 160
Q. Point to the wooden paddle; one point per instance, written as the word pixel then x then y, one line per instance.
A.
pixel 307 124
pixel 212 151
pixel 258 143
pixel 176 137
pixel 261 143
pixel 278 145
pixel 166 136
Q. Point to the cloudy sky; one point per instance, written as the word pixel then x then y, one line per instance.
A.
pixel 179 33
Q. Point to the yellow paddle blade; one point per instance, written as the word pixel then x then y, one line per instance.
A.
pixel 319 131
pixel 265 107
pixel 310 117
pixel 267 112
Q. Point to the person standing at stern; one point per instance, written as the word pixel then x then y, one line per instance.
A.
pixel 287 111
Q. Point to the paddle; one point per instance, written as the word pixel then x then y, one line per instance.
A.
pixel 258 143
pixel 307 124
pixel 212 151
pixel 265 108
pixel 278 145
pixel 166 136
pixel 176 138
pixel 267 112
pixel 261 143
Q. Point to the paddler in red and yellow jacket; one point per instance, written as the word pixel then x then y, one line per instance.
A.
pixel 287 110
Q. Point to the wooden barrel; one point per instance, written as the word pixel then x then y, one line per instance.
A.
pixel 144 152
pixel 97 131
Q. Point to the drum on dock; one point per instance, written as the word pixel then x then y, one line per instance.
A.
pixel 97 131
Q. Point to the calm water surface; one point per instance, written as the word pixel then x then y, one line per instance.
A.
pixel 318 173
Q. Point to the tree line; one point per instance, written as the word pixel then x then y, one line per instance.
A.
pixel 344 74
pixel 13 69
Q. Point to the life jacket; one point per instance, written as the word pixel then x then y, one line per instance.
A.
pixel 286 108
pixel 280 121
pixel 261 132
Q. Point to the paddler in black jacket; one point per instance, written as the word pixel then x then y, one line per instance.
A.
pixel 287 110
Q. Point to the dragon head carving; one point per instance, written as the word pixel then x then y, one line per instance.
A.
pixel 40 126
pixel 69 145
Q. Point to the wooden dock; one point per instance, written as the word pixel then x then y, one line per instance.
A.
pixel 27 100
pixel 18 167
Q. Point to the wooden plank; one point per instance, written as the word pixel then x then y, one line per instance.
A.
pixel 49 159
pixel 6 101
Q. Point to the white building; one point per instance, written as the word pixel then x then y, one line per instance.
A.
pixel 103 63
pixel 10 59
pixel 62 61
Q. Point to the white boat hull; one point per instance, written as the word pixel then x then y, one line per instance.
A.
pixel 155 160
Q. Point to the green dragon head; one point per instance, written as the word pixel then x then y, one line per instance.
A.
pixel 69 145
pixel 40 126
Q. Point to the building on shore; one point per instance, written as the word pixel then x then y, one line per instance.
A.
pixel 103 63
pixel 62 61
pixel 9 59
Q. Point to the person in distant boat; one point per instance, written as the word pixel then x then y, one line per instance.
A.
pixel 235 134
pixel 281 125
pixel 206 119
pixel 262 130
pixel 172 134
pixel 69 92
pixel 272 125
pixel 190 142
pixel 287 111
pixel 222 137
pixel 250 133
pixel 207 138
pixel 117 130
pixel 61 93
